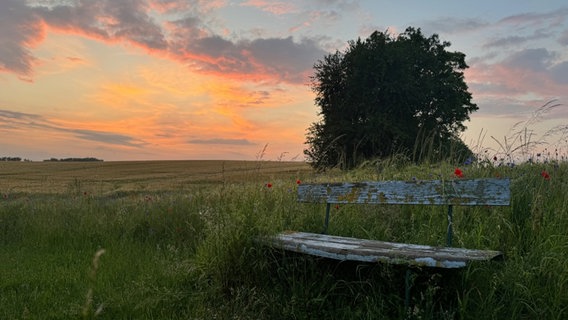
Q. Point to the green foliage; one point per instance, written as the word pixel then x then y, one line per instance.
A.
pixel 386 95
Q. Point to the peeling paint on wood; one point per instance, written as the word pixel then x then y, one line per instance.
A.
pixel 344 248
pixel 466 192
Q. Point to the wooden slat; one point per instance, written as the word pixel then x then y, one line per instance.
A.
pixel 352 249
pixel 467 192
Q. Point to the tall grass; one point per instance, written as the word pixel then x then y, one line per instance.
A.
pixel 193 254
pixel 524 144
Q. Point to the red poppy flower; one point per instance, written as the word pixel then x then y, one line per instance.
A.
pixel 298 181
pixel 458 173
pixel 269 185
pixel 545 175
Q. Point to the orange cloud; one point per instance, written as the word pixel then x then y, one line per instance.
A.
pixel 188 41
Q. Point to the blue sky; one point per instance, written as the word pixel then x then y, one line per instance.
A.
pixel 220 79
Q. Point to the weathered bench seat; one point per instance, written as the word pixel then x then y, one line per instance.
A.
pixel 353 249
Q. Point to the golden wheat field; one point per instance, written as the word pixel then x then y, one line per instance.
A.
pixel 105 177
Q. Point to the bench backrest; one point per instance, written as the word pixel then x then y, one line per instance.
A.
pixel 462 192
pixel 489 192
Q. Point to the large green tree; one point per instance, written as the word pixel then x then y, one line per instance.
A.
pixel 388 94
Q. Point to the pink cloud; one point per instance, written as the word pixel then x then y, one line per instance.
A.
pixel 530 71
pixel 500 81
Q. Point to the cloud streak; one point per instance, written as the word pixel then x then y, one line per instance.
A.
pixel 549 19
pixel 239 142
pixel 277 8
pixel 516 40
pixel 14 121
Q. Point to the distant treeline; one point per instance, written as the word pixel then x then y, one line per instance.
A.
pixel 11 159
pixel 18 159
pixel 73 160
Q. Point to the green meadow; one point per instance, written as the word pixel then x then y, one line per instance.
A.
pixel 179 240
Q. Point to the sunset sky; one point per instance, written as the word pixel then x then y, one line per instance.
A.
pixel 222 79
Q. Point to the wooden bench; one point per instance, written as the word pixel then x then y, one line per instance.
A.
pixel 450 193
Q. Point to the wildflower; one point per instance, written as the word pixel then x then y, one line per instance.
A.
pixel 298 181
pixel 458 173
pixel 269 185
pixel 545 175
pixel 468 161
pixel 336 207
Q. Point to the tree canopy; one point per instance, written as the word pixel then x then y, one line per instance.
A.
pixel 388 94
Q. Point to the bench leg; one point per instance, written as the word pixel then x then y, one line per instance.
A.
pixel 450 226
pixel 326 222
pixel 407 285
